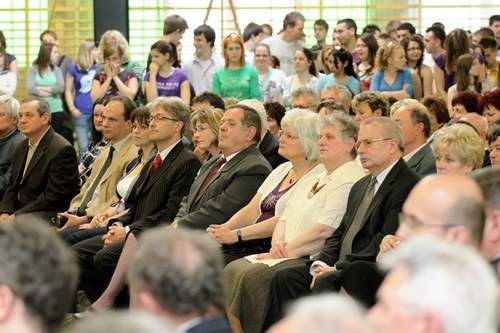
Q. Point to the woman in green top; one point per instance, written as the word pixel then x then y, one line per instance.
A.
pixel 236 79
pixel 46 80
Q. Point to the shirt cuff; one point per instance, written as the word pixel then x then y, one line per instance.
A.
pixel 315 264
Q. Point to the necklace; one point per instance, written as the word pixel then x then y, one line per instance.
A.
pixel 315 189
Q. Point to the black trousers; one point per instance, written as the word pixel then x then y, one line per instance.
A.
pixel 97 264
pixel 290 283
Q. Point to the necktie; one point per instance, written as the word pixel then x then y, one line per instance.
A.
pixel 346 247
pixel 90 191
pixel 156 162
pixel 210 176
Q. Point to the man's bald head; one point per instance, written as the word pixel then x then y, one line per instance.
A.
pixel 446 206
pixel 479 122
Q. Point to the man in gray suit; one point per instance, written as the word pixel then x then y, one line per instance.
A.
pixel 229 181
pixel 415 123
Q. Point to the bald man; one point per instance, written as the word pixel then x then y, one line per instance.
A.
pixel 481 125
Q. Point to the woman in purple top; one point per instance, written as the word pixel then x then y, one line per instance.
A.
pixel 163 79
pixel 249 230
pixel 456 44
pixel 12 61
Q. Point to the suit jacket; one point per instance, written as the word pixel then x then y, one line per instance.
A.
pixel 159 193
pixel 217 324
pixel 230 189
pixel 110 178
pixel 423 162
pixel 268 147
pixel 486 159
pixel 7 144
pixel 51 179
pixel 381 218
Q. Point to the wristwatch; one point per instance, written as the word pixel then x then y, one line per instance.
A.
pixel 238 233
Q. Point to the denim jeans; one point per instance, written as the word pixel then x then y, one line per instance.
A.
pixel 81 127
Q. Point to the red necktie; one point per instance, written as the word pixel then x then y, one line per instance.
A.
pixel 156 162
pixel 210 176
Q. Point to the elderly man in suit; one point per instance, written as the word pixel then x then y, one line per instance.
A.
pixel 415 123
pixel 229 181
pixel 44 167
pixel 98 192
pixel 162 184
pixel 373 207
pixel 185 287
pixel 9 137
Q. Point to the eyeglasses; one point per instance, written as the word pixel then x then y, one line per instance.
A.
pixel 286 135
pixel 368 143
pixel 413 49
pixel 415 224
pixel 200 129
pixel 160 118
pixel 3 114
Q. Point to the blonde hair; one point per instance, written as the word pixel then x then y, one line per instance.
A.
pixel 383 54
pixel 461 140
pixel 208 115
pixel 84 59
pixel 115 38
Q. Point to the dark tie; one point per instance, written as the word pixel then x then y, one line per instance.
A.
pixel 90 191
pixel 346 247
pixel 156 162
pixel 209 178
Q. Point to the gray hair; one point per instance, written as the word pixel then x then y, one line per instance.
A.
pixel 181 269
pixel 390 129
pixel 488 180
pixel 447 279
pixel 42 107
pixel 175 106
pixel 319 313
pixel 123 321
pixel 306 124
pixel 344 92
pixel 346 125
pixel 37 267
pixel 12 105
pixel 257 106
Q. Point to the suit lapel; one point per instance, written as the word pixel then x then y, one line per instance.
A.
pixel 42 146
pixel 383 189
pixel 418 156
pixel 18 173
pixel 163 168
pixel 117 159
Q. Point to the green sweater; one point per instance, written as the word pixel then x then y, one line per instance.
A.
pixel 242 83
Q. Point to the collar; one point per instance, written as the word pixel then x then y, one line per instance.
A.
pixel 167 150
pixel 120 143
pixel 413 153
pixel 381 177
pixel 41 138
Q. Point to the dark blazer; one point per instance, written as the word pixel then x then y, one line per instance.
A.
pixel 160 193
pixel 50 182
pixel 380 220
pixel 268 147
pixel 423 162
pixel 230 189
pixel 217 324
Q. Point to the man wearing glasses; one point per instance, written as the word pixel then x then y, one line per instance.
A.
pixel 163 182
pixel 373 207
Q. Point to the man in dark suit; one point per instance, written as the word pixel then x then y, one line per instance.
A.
pixel 9 137
pixel 162 184
pixel 44 167
pixel 185 287
pixel 373 207
pixel 415 123
pixel 229 181
pixel 268 144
